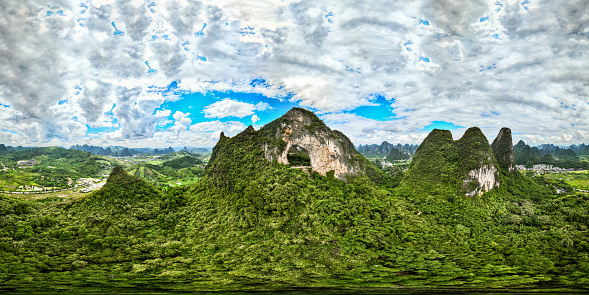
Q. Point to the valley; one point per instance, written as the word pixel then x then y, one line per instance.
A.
pixel 53 171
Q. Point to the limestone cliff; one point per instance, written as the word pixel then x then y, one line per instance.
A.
pixel 465 166
pixel 328 150
pixel 300 129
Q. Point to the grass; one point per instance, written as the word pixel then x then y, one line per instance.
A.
pixel 576 179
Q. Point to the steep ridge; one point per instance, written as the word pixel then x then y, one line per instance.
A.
pixel 443 166
pixel 397 155
pixel 503 149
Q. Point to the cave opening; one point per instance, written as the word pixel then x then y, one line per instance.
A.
pixel 298 156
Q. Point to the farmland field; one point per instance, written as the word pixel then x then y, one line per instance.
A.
pixel 576 179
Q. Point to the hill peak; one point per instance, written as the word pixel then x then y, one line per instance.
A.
pixel 503 149
pixel 327 149
pixel 121 186
pixel 465 166
pixel 297 131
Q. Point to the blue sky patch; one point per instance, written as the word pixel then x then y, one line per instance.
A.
pixel 525 4
pixel 194 103
pixel 10 131
pixel 407 44
pixel 381 111
pixel 259 82
pixel 201 32
pixel 97 130
pixel 111 113
pixel 485 68
pixel 423 22
pixel 328 17
pixel 117 31
pixel 185 44
pixel 247 31
pixel 490 114
pixel 424 59
pixel 483 19
pixel 151 6
pixel 441 125
pixel 149 69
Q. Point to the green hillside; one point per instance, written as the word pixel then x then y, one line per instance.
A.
pixel 396 155
pixel 250 224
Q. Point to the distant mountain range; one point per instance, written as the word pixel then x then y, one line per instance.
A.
pixel 385 148
pixel 119 151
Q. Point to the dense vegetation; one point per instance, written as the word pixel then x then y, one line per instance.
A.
pixel 396 155
pixel 55 168
pixel 251 224
pixel 441 164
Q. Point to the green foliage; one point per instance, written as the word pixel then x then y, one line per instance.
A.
pixel 440 164
pixel 281 228
pixel 182 162
pixel 122 187
pixel 251 225
pixel 396 155
pixel 298 157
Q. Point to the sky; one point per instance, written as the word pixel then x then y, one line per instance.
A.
pixel 176 73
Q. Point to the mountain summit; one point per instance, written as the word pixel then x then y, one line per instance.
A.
pixel 465 166
pixel 503 149
pixel 327 149
pixel 298 133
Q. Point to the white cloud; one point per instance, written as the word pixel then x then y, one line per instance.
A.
pixel 181 122
pixel 232 108
pixel 255 119
pixel 483 62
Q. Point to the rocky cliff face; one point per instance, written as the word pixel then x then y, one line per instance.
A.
pixel 478 159
pixel 300 129
pixel 327 149
pixel 465 166
pixel 503 149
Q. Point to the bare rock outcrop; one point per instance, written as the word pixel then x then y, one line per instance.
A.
pixel 298 134
pixel 328 150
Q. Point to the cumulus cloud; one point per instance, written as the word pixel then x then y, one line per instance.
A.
pixel 76 65
pixel 181 122
pixel 233 108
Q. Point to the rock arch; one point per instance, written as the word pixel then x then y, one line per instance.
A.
pixel 298 156
pixel 324 155
pixel 327 149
